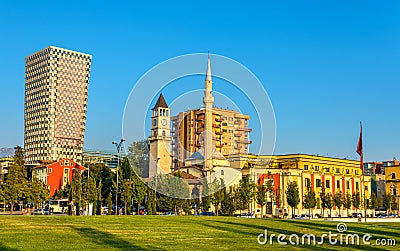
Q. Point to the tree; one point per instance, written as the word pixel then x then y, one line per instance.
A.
pixel 292 196
pixel 139 191
pixel 329 203
pixel 37 191
pixel 151 201
pixel 310 200
pixel 99 198
pixel 373 202
pixel 322 195
pixel 139 157
pixel 270 188
pixel 389 202
pixel 245 193
pixel 206 199
pixel 228 204
pixel 16 185
pixel 347 202
pixel 126 194
pixel 356 201
pixel 218 193
pixel 89 194
pixel 76 191
pixel 109 203
pixel 338 201
pixel 261 197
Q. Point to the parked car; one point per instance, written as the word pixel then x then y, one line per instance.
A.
pixel 246 215
pixel 41 211
pixel 206 214
pixel 355 215
pixel 303 217
pixel 169 213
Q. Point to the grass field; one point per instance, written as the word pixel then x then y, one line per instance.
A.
pixel 171 233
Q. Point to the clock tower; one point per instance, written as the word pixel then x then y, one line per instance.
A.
pixel 160 139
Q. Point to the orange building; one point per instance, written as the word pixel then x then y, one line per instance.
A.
pixel 55 175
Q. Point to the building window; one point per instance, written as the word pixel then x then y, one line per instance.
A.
pixel 393 175
pixel 327 169
pixel 307 182
pixel 318 182
pixel 328 184
pixel 305 167
pixel 366 188
pixel 347 171
pixel 316 168
pixel 222 171
pixel 338 184
pixel 357 185
pixel 348 184
pixel 337 170
pixel 50 170
pixel 154 122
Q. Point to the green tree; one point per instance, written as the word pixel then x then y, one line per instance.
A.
pixel 373 202
pixel 356 201
pixel 270 189
pixel 99 198
pixel 139 191
pixel 338 201
pixel 37 191
pixel 329 203
pixel 310 200
pixel 89 194
pixel 76 192
pixel 389 202
pixel 228 204
pixel 347 202
pixel 245 193
pixel 218 193
pixel 292 196
pixel 16 187
pixel 151 201
pixel 261 197
pixel 126 194
pixel 322 195
pixel 109 203
pixel 138 154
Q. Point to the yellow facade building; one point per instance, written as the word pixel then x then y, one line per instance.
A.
pixel 308 171
pixel 392 175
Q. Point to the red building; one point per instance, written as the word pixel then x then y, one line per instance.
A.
pixel 56 174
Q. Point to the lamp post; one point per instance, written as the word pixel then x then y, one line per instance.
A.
pixel 119 146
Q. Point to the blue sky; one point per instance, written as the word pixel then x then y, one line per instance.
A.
pixel 326 65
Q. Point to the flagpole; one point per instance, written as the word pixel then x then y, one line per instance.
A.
pixel 360 152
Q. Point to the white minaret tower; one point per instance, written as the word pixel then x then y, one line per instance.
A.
pixel 208 101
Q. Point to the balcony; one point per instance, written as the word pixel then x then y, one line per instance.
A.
pixel 218 132
pixel 218 119
pixel 216 125
pixel 247 129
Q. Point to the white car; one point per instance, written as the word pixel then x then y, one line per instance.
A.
pixel 303 217
pixel 246 215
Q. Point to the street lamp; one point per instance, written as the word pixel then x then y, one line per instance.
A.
pixel 119 146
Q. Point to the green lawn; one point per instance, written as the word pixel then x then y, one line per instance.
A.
pixel 169 233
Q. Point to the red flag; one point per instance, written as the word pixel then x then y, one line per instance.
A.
pixel 360 148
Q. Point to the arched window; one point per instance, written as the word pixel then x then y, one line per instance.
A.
pixel 163 133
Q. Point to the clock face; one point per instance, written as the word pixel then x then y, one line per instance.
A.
pixel 164 122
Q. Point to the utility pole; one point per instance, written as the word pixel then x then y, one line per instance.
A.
pixel 119 146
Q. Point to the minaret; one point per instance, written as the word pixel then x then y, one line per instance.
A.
pixel 208 101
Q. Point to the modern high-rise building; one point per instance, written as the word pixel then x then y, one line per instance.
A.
pixel 56 94
pixel 230 133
